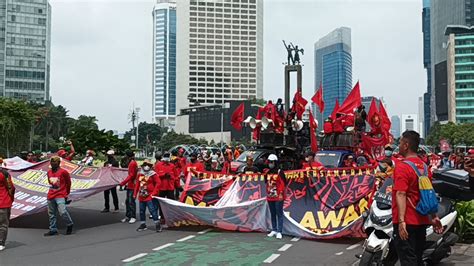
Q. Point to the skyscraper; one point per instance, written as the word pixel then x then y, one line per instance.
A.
pixel 427 64
pixel 333 68
pixel 220 51
pixel 395 130
pixel 409 122
pixel 164 63
pixel 25 49
pixel 442 14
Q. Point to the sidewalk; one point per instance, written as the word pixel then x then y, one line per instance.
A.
pixel 463 254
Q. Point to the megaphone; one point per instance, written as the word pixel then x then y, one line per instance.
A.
pixel 266 122
pixel 253 123
pixel 297 125
pixel 248 119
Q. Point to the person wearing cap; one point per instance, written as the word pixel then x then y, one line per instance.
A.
pixel 250 168
pixel 147 186
pixel 111 162
pixel 89 159
pixel 327 127
pixel 310 163
pixel 67 153
pixel 130 181
pixel 59 190
pixel 276 186
pixel 168 174
pixel 194 166
pixel 7 196
pixel 349 162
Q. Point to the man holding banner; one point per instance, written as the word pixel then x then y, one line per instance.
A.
pixel 130 205
pixel 275 179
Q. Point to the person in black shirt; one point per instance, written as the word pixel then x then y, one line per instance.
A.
pixel 111 162
pixel 250 168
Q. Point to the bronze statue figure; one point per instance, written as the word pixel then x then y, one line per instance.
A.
pixel 291 60
pixel 297 56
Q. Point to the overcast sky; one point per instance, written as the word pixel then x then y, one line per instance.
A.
pixel 101 52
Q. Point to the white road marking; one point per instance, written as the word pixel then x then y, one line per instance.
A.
pixel 285 247
pixel 135 257
pixel 271 258
pixel 339 253
pixel 205 231
pixel 353 246
pixel 164 246
pixel 355 263
pixel 296 239
pixel 185 238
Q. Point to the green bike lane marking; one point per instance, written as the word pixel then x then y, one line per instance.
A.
pixel 215 248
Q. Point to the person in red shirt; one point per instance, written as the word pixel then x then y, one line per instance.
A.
pixel 147 186
pixel 349 162
pixel 130 181
pixel 59 190
pixel 349 121
pixel 168 175
pixel 310 163
pixel 68 152
pixel 409 227
pixel 276 186
pixel 327 127
pixel 7 193
pixel 226 165
pixel 337 125
pixel 194 166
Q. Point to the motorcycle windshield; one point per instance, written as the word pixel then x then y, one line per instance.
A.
pixel 383 197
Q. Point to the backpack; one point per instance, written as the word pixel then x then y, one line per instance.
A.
pixel 428 203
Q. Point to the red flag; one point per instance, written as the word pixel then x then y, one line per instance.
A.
pixel 312 129
pixel 352 101
pixel 238 117
pixel 386 123
pixel 373 115
pixel 299 104
pixel 336 109
pixel 318 98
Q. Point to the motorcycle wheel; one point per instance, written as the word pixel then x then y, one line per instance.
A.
pixel 368 259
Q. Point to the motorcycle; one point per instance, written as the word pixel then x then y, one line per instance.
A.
pixel 379 247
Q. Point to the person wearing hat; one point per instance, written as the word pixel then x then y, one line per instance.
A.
pixel 59 190
pixel 130 181
pixel 7 193
pixel 147 186
pixel 349 162
pixel 89 159
pixel 67 153
pixel 276 186
pixel 168 174
pixel 111 162
pixel 310 163
pixel 250 168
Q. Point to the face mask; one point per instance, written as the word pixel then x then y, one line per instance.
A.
pixel 307 159
pixel 166 159
pixel 271 165
pixel 146 168
pixel 388 153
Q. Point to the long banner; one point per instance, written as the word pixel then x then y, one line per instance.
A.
pixel 319 205
pixel 32 183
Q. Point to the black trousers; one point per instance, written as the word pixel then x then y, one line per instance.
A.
pixel 114 198
pixel 410 252
pixel 169 194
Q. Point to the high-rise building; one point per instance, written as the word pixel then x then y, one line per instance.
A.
pixel 164 63
pixel 410 122
pixel 333 68
pixel 220 51
pixel 25 49
pixel 442 14
pixel 395 130
pixel 421 117
pixel 460 53
pixel 427 64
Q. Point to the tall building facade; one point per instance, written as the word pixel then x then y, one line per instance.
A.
pixel 333 68
pixel 409 122
pixel 164 63
pixel 25 41
pixel 460 62
pixel 395 130
pixel 421 117
pixel 427 64
pixel 220 51
pixel 442 14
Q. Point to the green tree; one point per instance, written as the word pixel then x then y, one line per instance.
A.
pixel 15 125
pixel 455 134
pixel 148 134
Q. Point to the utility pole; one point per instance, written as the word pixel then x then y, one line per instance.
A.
pixel 134 117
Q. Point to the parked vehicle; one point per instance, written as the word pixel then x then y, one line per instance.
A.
pixel 287 157
pixel 332 159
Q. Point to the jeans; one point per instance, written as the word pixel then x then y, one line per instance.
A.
pixel 276 211
pixel 58 205
pixel 410 252
pixel 4 222
pixel 130 205
pixel 114 198
pixel 169 194
pixel 151 208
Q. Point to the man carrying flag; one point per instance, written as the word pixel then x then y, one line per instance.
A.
pixel 299 104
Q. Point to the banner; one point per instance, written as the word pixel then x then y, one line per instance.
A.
pixel 319 204
pixel 204 192
pixel 32 184
pixel 16 163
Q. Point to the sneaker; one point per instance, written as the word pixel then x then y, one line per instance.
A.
pixel 105 210
pixel 115 211
pixel 279 236
pixel 124 220
pixel 142 227
pixel 69 230
pixel 158 227
pixel 132 221
pixel 272 234
pixel 50 233
pixel 150 217
pixel 2 248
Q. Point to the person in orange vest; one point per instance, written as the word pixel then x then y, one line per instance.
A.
pixel 130 205
pixel 147 186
